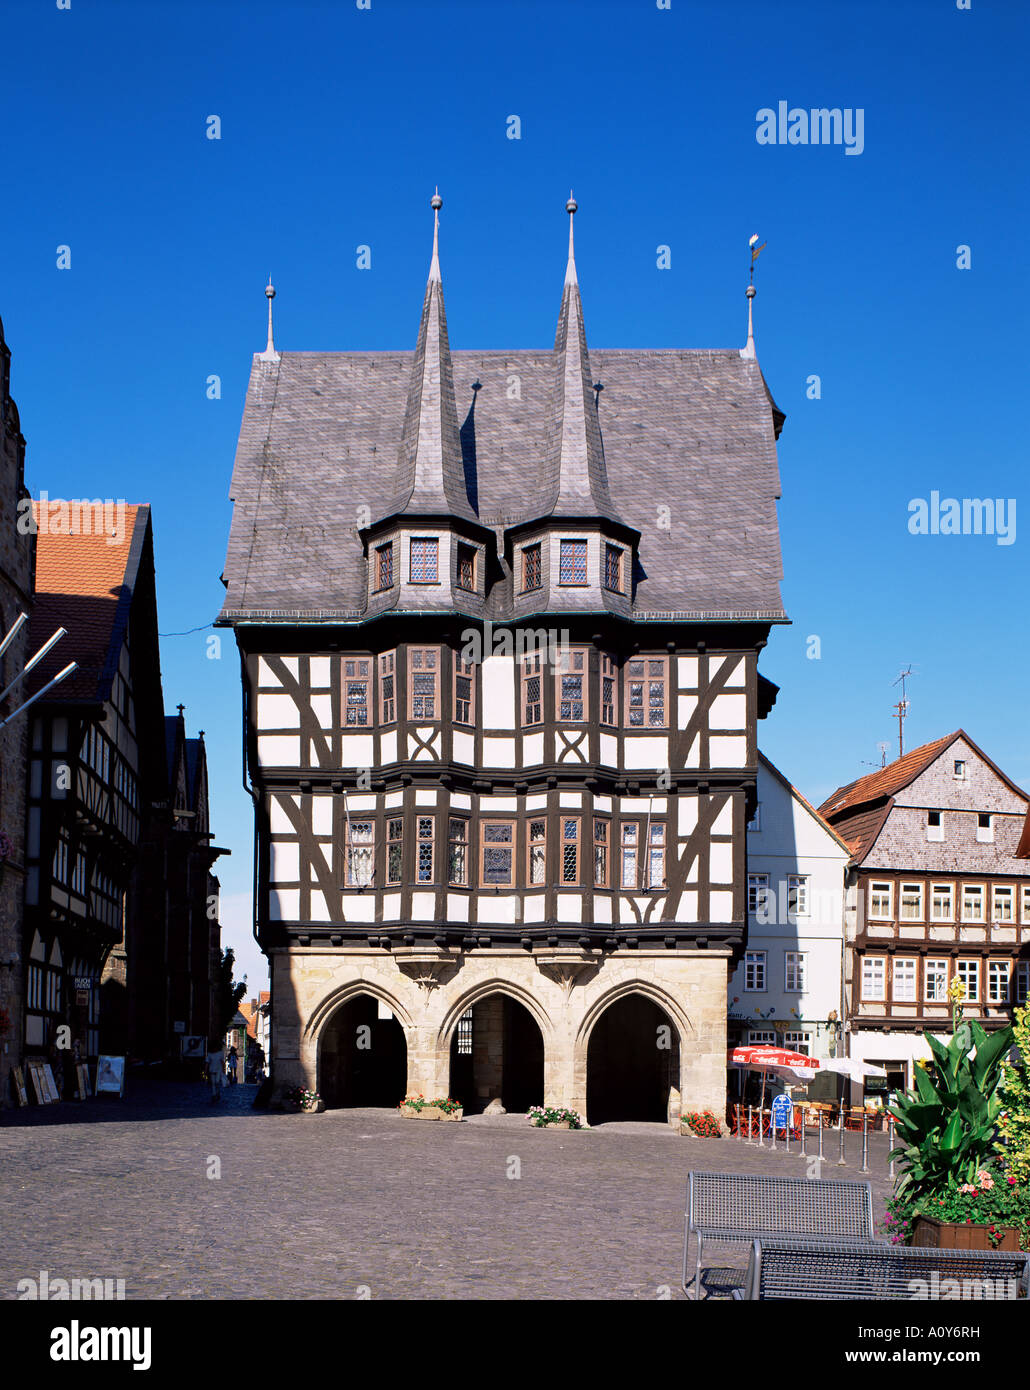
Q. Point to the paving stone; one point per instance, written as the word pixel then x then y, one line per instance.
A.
pixel 325 1206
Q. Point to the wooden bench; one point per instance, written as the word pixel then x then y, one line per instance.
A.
pixel 835 1270
pixel 738 1207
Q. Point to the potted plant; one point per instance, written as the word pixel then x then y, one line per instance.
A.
pixel 948 1130
pixel 554 1117
pixel 300 1099
pixel 700 1123
pixel 443 1108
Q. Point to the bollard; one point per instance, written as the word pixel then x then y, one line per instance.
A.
pixel 804 1125
pixel 761 1140
pixel 820 1136
pixel 786 1131
pixel 841 1159
pixel 890 1142
pixel 750 1124
pixel 865 1145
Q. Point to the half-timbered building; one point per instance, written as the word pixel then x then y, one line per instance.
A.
pixel 499 615
pixel 17 561
pixel 121 920
pixel 935 893
pixel 97 740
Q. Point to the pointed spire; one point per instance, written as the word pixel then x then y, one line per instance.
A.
pixel 579 473
pixel 269 354
pixel 430 449
pixel 570 273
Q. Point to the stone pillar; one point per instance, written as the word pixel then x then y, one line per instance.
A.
pixel 488 1047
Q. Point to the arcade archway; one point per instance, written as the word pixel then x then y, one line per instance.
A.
pixel 632 1062
pixel 363 1056
pixel 497 1053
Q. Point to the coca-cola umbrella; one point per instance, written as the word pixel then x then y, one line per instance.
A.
pixel 780 1060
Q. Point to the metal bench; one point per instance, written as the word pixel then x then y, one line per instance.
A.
pixel 738 1207
pixel 794 1269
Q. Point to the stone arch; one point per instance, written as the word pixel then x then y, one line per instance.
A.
pixel 651 991
pixel 342 994
pixel 624 1070
pixel 360 1059
pixel 502 1058
pixel 480 991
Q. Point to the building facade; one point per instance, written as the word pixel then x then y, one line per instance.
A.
pixel 936 893
pixel 17 564
pixel 121 919
pixel 172 947
pixel 786 991
pixel 499 616
pixel 93 761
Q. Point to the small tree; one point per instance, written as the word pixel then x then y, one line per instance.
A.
pixel 1014 1093
pixel 229 992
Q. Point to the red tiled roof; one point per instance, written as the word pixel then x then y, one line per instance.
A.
pixel 82 583
pixel 888 780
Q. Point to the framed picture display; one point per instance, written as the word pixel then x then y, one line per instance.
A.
pixel 21 1095
pixel 111 1075
pixel 39 1085
pixel 51 1085
pixel 82 1081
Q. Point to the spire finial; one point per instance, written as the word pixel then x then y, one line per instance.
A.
pixel 756 250
pixel 570 208
pixel 436 203
pixel 269 354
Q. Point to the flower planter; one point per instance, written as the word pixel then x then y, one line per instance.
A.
pixel 452 1115
pixel 430 1112
pixel 952 1235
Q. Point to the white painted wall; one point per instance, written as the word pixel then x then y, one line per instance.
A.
pixel 791 840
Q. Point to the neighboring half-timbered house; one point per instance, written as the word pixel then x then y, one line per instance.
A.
pixel 936 893
pixel 96 754
pixel 499 616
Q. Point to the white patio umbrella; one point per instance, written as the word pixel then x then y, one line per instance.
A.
pixel 851 1067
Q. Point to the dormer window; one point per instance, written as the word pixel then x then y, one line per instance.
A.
pixel 530 568
pixel 466 578
pixel 613 568
pixel 572 562
pixel 425 560
pixel 384 567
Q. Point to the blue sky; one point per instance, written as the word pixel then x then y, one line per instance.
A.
pixel 337 123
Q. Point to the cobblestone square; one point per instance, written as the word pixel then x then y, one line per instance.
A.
pixel 357 1203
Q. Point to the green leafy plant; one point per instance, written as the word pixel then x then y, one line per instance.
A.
pixel 1014 1093
pixel 947 1126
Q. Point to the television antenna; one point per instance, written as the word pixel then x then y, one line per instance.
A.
pixel 901 709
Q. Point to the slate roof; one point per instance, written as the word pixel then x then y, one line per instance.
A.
pixel 84 584
pixel 693 430
pixel 578 478
pixel 1023 848
pixel 431 466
